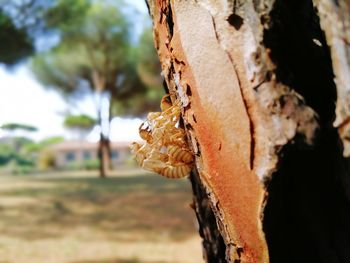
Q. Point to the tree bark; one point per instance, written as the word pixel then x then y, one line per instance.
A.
pixel 104 156
pixel 256 83
pixel 104 149
pixel 213 244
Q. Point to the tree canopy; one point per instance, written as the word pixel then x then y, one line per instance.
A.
pixel 18 126
pixel 79 121
pixel 148 69
pixel 15 42
pixel 94 52
pixel 21 25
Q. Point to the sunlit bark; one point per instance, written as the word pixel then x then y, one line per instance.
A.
pixel 256 83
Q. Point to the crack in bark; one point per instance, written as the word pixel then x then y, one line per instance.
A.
pixel 245 102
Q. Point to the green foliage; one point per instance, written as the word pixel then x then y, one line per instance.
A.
pixel 64 14
pixel 96 50
pixel 31 148
pixel 79 122
pixel 20 155
pixel 148 66
pixel 51 141
pixel 35 147
pixel 19 142
pixel 15 43
pixel 15 161
pixel 93 52
pixel 96 53
pixel 6 153
pixel 86 165
pixel 22 169
pixel 91 164
pixel 73 166
pixel 18 126
pixel 139 104
pixel 11 150
pixel 148 69
pixel 22 160
pixel 60 68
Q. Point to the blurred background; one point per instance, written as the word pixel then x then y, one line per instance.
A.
pixel 77 78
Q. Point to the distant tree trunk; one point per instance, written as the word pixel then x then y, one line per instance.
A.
pixel 104 149
pixel 265 88
pixel 104 156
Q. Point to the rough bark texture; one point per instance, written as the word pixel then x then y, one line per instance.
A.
pixel 104 156
pixel 335 21
pixel 104 146
pixel 255 79
pixel 213 245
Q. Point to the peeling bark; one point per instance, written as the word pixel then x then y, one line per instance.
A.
pixel 247 74
pixel 335 21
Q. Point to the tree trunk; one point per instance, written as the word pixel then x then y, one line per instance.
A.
pixel 104 118
pixel 104 156
pixel 258 82
pixel 104 149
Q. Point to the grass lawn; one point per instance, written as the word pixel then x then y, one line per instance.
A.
pixel 79 218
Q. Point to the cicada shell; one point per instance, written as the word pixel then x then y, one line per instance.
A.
pixel 165 150
pixel 180 155
pixel 178 171
pixel 165 103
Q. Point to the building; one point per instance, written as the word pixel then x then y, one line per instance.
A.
pixel 69 153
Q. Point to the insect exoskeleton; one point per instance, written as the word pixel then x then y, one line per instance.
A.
pixel 165 150
pixel 180 155
pixel 154 117
pixel 145 132
pixel 165 103
pixel 154 165
pixel 177 138
pixel 178 171
pixel 134 147
pixel 137 152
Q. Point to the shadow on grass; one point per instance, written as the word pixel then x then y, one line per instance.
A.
pixel 145 206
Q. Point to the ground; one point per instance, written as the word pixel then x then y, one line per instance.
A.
pixel 79 218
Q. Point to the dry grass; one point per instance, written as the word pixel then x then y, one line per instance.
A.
pixel 79 218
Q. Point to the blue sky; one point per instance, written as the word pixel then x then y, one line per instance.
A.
pixel 24 100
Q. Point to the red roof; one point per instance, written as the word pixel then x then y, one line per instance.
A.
pixel 85 145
